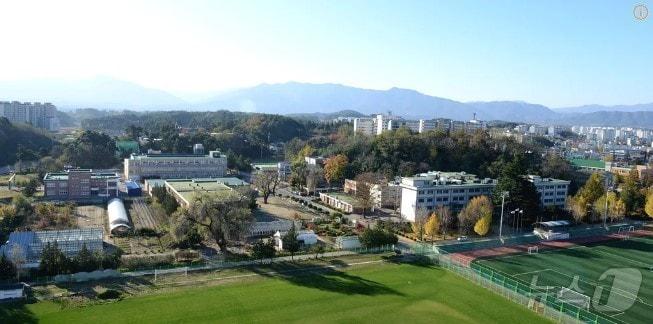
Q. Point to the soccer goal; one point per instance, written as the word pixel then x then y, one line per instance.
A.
pixel 625 232
pixel 533 249
pixel 573 297
pixel 159 273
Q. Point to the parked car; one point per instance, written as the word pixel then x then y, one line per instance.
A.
pixel 462 238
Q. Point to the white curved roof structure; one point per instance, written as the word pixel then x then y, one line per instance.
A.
pixel 118 219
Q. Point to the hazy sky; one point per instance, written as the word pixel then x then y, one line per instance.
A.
pixel 556 53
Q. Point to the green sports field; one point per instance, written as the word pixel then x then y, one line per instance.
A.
pixel 557 268
pixel 379 292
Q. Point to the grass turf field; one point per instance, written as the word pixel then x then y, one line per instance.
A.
pixel 380 292
pixel 588 262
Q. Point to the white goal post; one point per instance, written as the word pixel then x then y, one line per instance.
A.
pixel 625 232
pixel 533 249
pixel 575 298
pixel 159 272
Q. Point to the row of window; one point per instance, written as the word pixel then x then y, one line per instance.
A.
pixel 446 191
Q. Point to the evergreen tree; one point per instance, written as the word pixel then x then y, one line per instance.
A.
pixel 85 260
pixel 290 242
pixel 7 269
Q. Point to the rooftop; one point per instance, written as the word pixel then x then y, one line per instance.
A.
pixel 94 175
pixel 212 154
pixel 187 188
pixel 447 178
pixel 350 199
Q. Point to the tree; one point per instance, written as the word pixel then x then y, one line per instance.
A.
pixel 30 188
pixel 446 219
pixel 18 258
pixel 91 150
pixel 432 226
pixel 290 241
pixel 365 183
pixel 522 193
pixel 307 150
pixel 299 174
pixel 263 250
pixel 85 260
pixel 317 249
pixel 266 181
pixel 334 168
pixel 593 188
pixel 53 261
pixel 482 226
pixel 167 201
pixel 418 226
pixel 133 132
pixel 314 177
pixel 649 205
pixel 7 268
pixel 616 207
pixel 224 217
pixel 631 193
pixel 477 208
pixel 377 237
pixel 578 207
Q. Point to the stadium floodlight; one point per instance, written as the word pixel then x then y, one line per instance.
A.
pixel 503 201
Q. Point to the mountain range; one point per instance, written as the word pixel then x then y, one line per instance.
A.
pixel 303 99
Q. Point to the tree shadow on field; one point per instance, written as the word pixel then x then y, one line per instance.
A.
pixel 16 312
pixel 328 279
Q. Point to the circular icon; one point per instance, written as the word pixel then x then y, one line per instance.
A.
pixel 640 12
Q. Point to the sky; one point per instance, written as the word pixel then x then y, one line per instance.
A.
pixel 556 53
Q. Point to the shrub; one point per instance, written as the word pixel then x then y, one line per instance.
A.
pixel 109 294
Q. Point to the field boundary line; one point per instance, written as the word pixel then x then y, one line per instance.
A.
pixel 529 272
pixel 596 285
pixel 648 266
pixel 333 266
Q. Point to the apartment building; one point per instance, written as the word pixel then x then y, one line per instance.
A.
pixel 553 192
pixel 36 114
pixel 176 166
pixel 366 126
pixel 424 192
pixel 81 184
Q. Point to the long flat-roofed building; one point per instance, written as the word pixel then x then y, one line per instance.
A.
pixel 184 190
pixel 176 166
pixel 81 184
pixel 424 192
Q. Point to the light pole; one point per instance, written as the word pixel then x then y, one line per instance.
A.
pixel 518 214
pixel 607 190
pixel 503 201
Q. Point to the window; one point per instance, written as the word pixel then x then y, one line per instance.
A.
pixel 51 185
pixel 420 200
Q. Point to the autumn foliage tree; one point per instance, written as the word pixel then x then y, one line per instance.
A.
pixel 432 226
pixel 477 208
pixel 649 205
pixel 482 226
pixel 334 168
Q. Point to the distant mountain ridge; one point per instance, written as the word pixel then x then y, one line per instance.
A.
pixel 302 100
pixel 597 108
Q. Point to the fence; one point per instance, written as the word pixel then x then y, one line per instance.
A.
pixel 535 298
pixel 219 264
pixel 575 233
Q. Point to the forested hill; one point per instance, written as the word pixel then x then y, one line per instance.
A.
pixel 29 141
pixel 279 128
